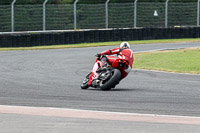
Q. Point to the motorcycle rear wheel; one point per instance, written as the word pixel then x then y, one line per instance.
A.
pixel 106 86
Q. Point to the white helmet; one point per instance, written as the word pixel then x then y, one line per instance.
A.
pixel 125 45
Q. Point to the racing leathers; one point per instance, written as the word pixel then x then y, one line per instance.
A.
pixel 122 53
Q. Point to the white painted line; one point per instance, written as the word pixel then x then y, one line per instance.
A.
pixel 101 115
pixel 165 72
pixel 163 49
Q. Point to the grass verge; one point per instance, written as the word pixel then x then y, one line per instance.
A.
pixel 101 44
pixel 182 61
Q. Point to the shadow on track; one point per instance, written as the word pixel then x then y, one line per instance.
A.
pixel 121 89
pixel 115 89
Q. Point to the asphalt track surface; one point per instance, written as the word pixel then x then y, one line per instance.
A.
pixel 52 78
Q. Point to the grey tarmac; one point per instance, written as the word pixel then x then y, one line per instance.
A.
pixel 51 78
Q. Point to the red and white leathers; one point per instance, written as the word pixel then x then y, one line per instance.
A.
pixel 122 53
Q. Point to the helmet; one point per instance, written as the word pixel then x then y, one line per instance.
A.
pixel 125 45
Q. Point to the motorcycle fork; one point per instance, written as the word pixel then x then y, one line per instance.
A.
pixel 90 79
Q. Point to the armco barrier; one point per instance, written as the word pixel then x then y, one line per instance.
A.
pixel 27 39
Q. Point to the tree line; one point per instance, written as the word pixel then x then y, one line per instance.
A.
pixel 2 2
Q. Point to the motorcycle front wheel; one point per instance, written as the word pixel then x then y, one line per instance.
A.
pixel 112 81
pixel 85 81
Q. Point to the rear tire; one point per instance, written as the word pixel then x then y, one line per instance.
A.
pixel 112 81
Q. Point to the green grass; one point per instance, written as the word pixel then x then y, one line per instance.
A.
pixel 183 61
pixel 101 44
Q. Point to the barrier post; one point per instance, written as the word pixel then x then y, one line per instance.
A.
pixel 75 21
pixel 198 12
pixel 166 13
pixel 106 6
pixel 135 13
pixel 44 15
pixel 13 16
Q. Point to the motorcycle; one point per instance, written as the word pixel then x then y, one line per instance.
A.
pixel 104 75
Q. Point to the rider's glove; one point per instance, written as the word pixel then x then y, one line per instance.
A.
pixel 98 55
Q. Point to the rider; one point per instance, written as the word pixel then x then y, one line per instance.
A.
pixel 123 52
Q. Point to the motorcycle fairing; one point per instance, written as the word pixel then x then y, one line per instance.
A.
pixel 94 74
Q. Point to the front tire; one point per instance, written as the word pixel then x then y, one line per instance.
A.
pixel 85 81
pixel 116 75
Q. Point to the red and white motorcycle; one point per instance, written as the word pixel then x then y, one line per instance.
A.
pixel 103 75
